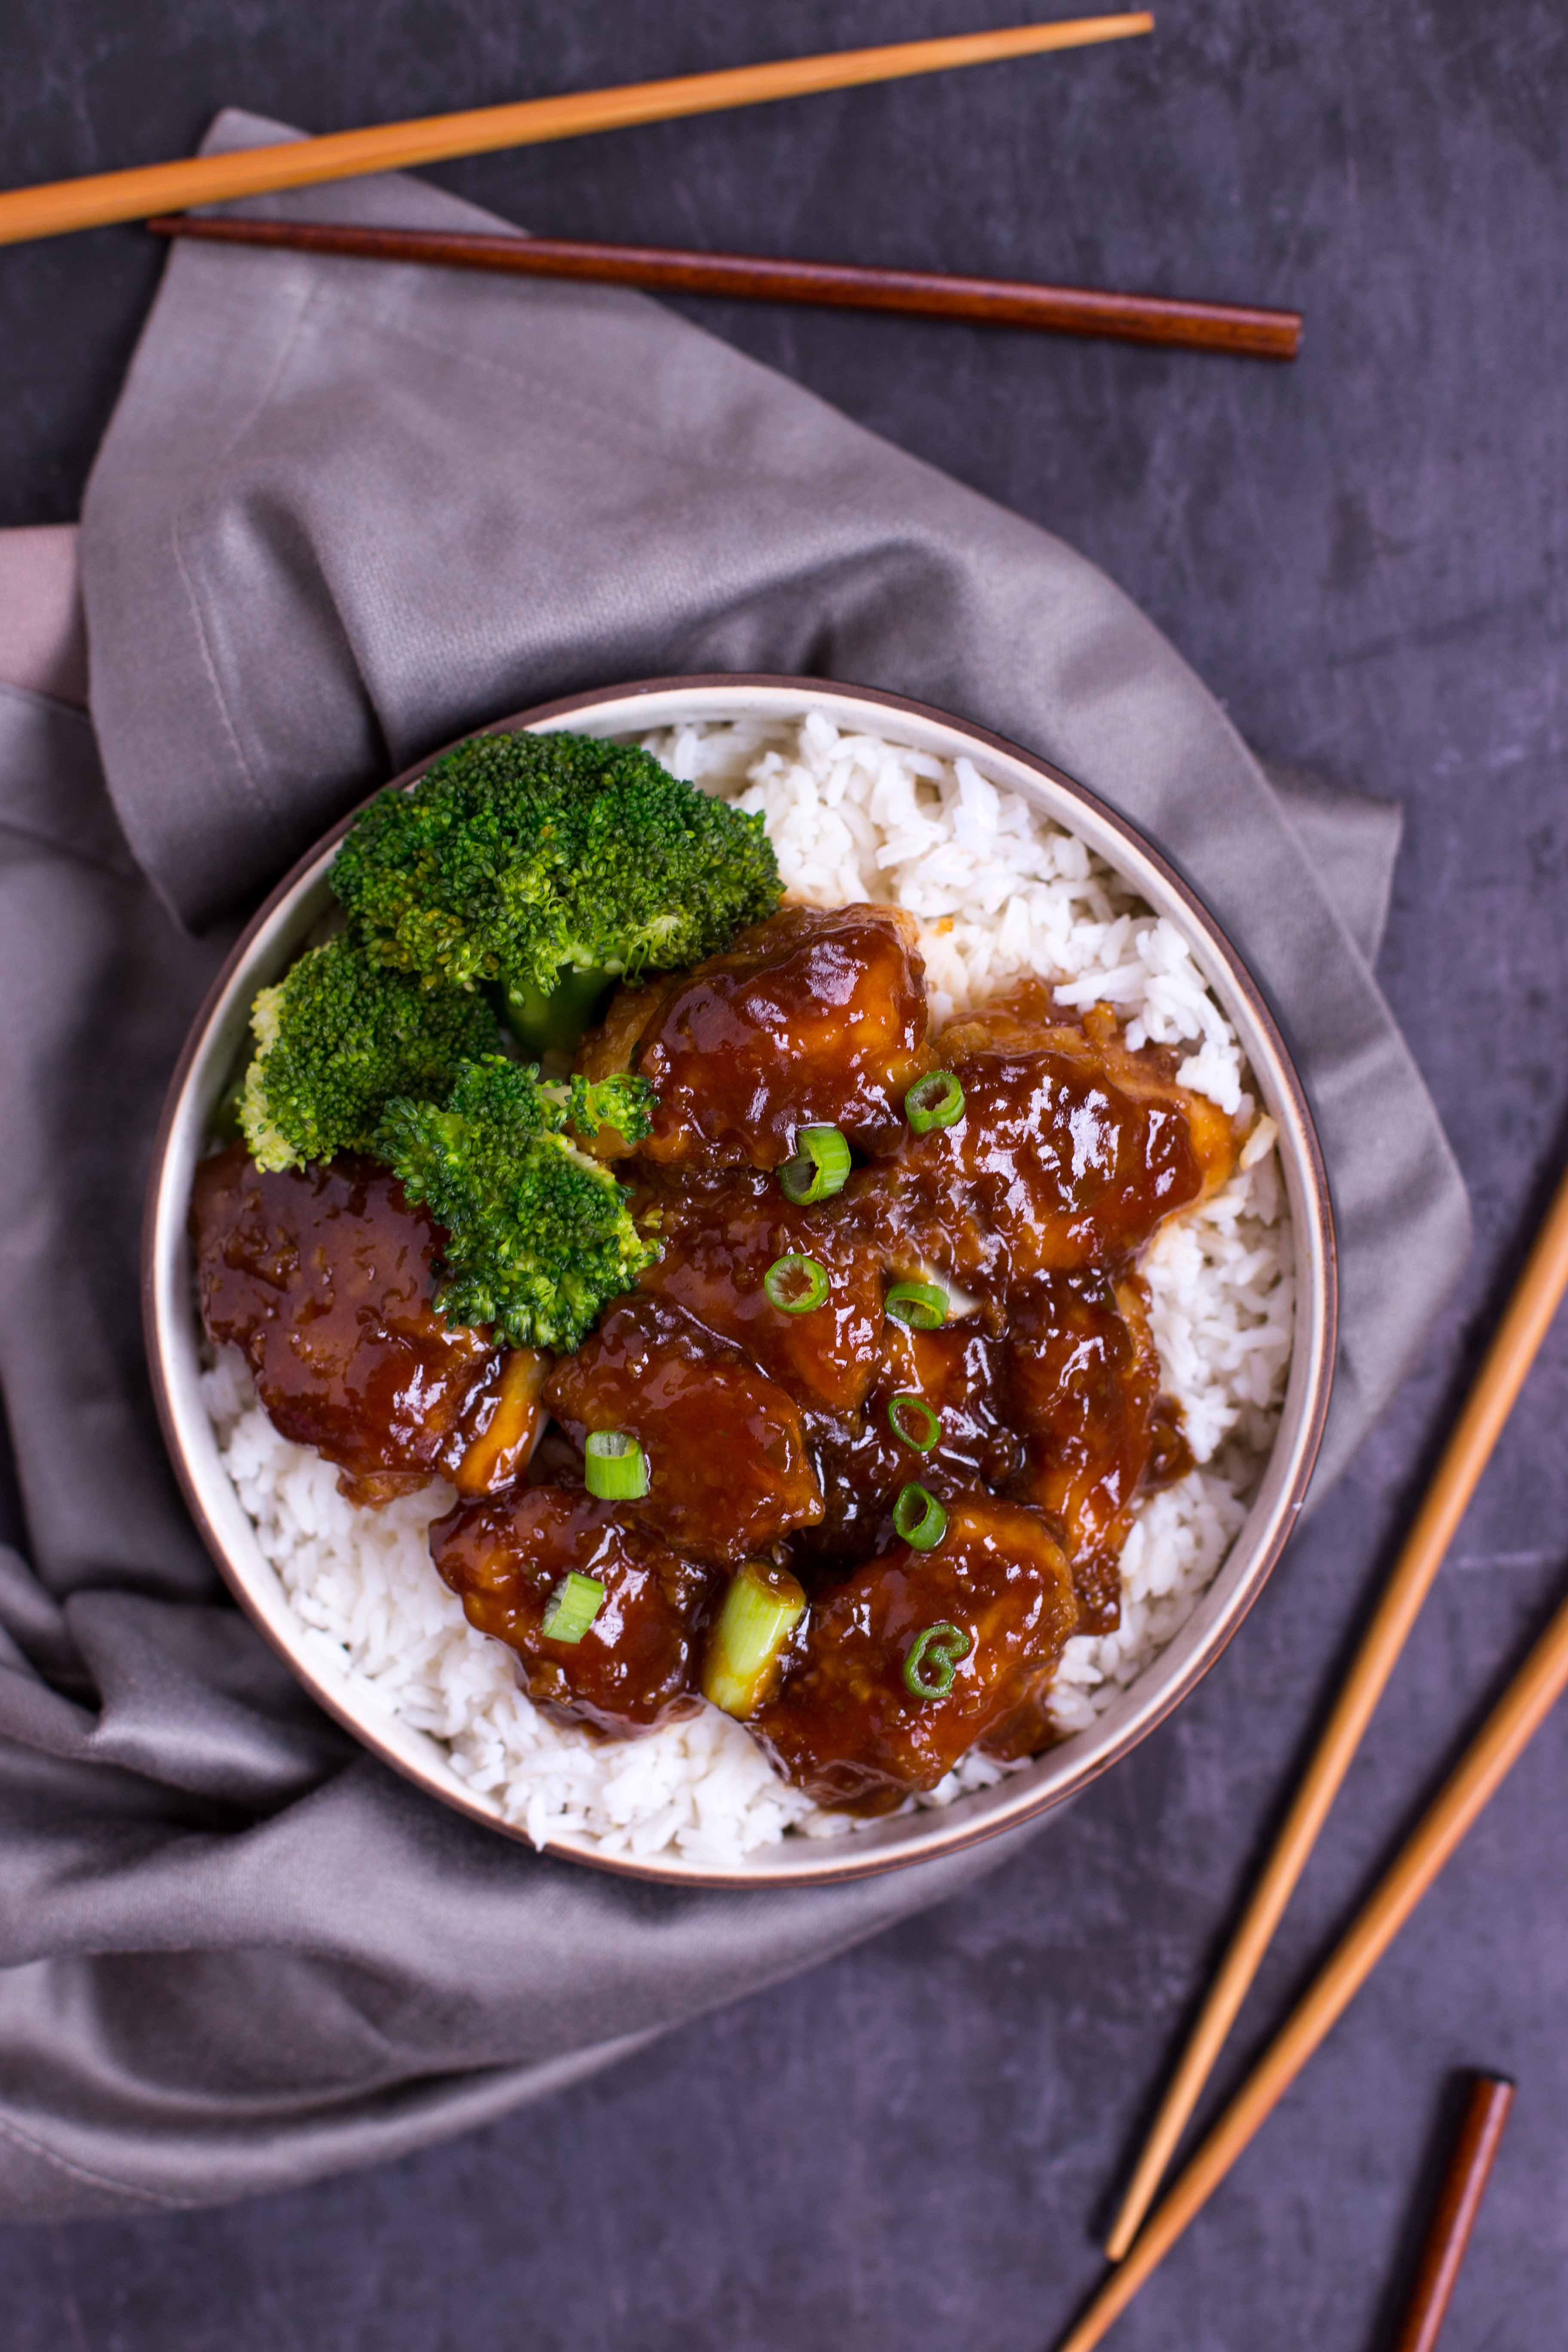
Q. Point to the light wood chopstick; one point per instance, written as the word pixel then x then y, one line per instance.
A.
pixel 1464 2184
pixel 1518 1715
pixel 63 204
pixel 1512 1351
pixel 989 301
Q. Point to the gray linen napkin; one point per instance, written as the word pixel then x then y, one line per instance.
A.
pixel 341 515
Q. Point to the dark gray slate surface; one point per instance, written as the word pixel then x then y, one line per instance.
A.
pixel 1365 556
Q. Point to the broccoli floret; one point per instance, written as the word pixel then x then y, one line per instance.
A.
pixel 538 1235
pixel 519 859
pixel 336 1038
pixel 623 1102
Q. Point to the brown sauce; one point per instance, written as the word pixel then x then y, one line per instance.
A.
pixel 848 1729
pixel 1081 1382
pixel 322 1276
pixel 812 1018
pixel 635 1667
pixel 863 1460
pixel 1052 1167
pixel 768 1434
pixel 718 1240
pixel 728 1470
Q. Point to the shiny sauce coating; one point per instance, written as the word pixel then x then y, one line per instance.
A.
pixel 718 1240
pixel 1081 1385
pixel 634 1668
pixel 848 1728
pixel 811 1018
pixel 322 1278
pixel 773 1436
pixel 1051 1167
pixel 727 1466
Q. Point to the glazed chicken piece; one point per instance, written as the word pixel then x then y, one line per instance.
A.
pixel 633 1668
pixel 1071 1151
pixel 862 1720
pixel 1027 1017
pixel 1081 1386
pixel 812 1018
pixel 323 1276
pixel 863 1460
pixel 719 1239
pixel 729 1472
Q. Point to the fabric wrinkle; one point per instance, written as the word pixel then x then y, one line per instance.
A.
pixel 242 1953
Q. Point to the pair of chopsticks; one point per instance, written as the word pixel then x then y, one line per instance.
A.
pixel 157 190
pixel 1138 2245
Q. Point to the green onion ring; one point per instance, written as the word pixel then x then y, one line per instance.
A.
pixel 820 1167
pixel 919 1518
pixel 615 1467
pixel 932 1657
pixel 912 1422
pixel 572 1607
pixel 783 1277
pixel 935 1100
pixel 919 1303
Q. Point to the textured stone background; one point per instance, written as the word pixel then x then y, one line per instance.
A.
pixel 1365 556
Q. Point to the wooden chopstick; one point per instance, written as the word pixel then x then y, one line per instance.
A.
pixel 1518 1715
pixel 64 205
pixel 1464 2185
pixel 994 302
pixel 1512 1351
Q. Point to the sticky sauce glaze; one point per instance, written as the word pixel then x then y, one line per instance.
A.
pixel 767 1435
pixel 322 1278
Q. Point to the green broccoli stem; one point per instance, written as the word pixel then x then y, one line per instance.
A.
pixel 224 1125
pixel 554 1023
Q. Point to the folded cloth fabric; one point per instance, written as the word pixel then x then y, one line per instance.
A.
pixel 342 515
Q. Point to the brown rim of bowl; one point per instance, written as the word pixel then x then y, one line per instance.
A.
pixel 952 1837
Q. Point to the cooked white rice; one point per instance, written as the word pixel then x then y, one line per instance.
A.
pixel 998 891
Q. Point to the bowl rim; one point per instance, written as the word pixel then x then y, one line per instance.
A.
pixel 928 1833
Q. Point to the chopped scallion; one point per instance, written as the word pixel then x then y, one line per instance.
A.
pixel 820 1166
pixel 920 1304
pixel 572 1607
pixel 919 1518
pixel 796 1284
pixel 933 1657
pixel 753 1630
pixel 914 1423
pixel 614 1466
pixel 935 1100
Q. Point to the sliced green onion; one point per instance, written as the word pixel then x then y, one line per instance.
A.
pixel 762 1609
pixel 933 1658
pixel 796 1284
pixel 919 1518
pixel 614 1466
pixel 935 1100
pixel 572 1607
pixel 920 1304
pixel 914 1423
pixel 820 1167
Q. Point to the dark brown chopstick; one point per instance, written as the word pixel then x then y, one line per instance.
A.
pixel 989 301
pixel 1454 2215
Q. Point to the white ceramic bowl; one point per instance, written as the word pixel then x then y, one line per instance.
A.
pixel 269 944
